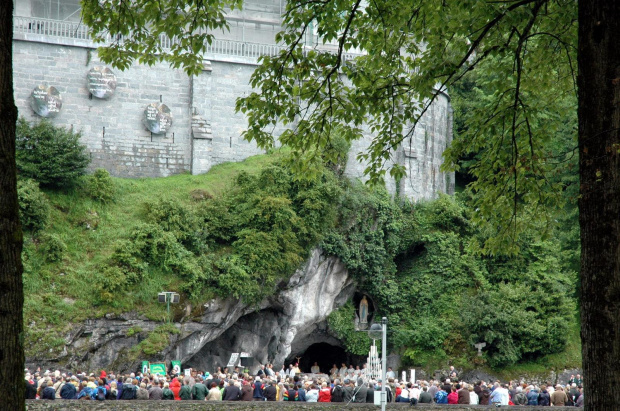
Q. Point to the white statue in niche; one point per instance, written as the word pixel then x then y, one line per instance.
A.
pixel 363 310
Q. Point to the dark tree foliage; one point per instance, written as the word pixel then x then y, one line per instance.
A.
pixel 51 155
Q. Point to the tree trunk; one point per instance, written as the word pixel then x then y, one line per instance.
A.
pixel 599 205
pixel 12 388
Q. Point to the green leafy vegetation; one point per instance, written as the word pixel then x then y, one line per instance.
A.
pixel 242 229
pixel 51 155
pixel 418 263
pixel 156 341
pixel 100 186
pixel 34 207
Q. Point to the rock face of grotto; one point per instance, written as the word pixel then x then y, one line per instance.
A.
pixel 282 327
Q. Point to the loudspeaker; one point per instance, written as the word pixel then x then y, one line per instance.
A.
pixel 247 361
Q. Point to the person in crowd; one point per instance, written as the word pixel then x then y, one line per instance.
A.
pixel 232 392
pixel 68 390
pixel 290 392
pixel 532 395
pixel 185 393
pixel 258 390
pixel 500 394
pixel 337 392
pixel 519 398
pixel 359 392
pixel 199 390
pixel 47 392
pixel 573 394
pixel 579 402
pixel 578 380
pixel 175 387
pixel 447 385
pixel 414 392
pixel 473 397
pixel 325 394
pixel 452 372
pixel 441 396
pixel 214 393
pixel 432 390
pixel 113 391
pixel 347 387
pixel 425 396
pixel 343 370
pixel 559 397
pixel 453 397
pixel 246 390
pixel 313 394
pixel 84 391
pixel 31 388
pixel 143 393
pixel 270 391
pixel 463 394
pixel 99 392
pixel 544 398
pixel 370 393
pixel 390 373
pixel 129 390
pixel 167 393
pixel 402 393
pixel 155 391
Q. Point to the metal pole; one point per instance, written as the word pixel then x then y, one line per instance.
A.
pixel 383 364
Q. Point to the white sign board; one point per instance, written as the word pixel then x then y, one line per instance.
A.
pixel 234 358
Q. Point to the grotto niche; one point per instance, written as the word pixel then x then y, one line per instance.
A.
pixel 326 355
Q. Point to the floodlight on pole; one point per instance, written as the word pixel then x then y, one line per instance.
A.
pixel 168 297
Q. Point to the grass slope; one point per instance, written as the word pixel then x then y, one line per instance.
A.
pixel 58 294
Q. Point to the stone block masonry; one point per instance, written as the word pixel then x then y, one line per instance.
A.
pixel 206 130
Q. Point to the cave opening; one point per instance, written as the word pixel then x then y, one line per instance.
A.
pixel 326 355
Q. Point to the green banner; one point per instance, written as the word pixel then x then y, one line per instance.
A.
pixel 145 367
pixel 176 367
pixel 158 368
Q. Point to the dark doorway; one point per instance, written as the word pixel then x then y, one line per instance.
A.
pixel 326 355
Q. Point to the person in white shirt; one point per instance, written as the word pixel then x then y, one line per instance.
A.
pixel 473 397
pixel 315 368
pixel 414 392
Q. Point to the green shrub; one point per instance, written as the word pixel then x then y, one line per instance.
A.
pixel 53 248
pixel 51 155
pixel 101 187
pixel 34 207
pixel 341 323
pixel 177 219
pixel 156 341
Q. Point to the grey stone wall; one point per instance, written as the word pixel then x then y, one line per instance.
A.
pixel 421 154
pixel 62 405
pixel 112 129
pixel 206 130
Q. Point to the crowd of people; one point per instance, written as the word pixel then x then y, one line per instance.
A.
pixel 342 384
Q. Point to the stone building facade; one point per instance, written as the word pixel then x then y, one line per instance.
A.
pixel 52 48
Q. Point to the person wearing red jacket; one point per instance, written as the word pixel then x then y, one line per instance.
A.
pixel 175 386
pixel 325 394
pixel 453 397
